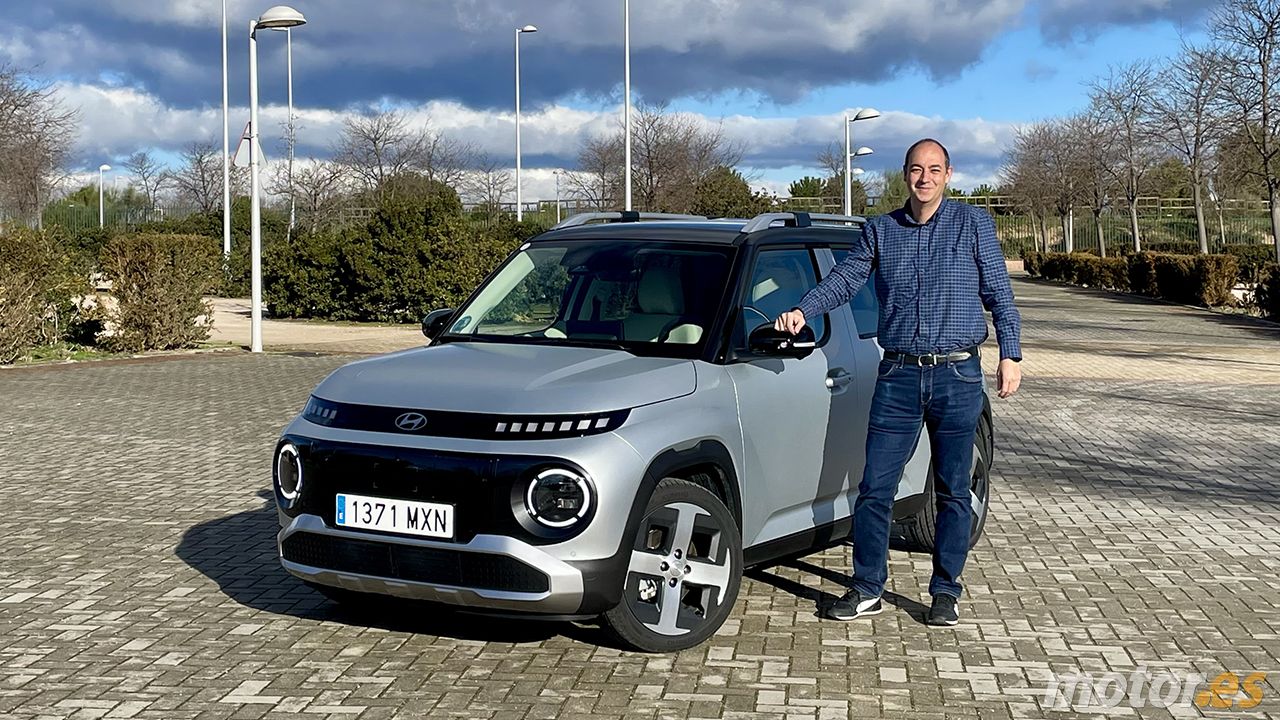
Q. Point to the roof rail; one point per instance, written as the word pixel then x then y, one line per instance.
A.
pixel 624 216
pixel 798 219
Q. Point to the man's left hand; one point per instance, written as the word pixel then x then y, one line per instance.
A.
pixel 1008 378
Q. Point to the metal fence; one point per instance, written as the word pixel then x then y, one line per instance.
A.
pixel 77 218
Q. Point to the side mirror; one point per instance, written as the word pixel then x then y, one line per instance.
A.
pixel 765 340
pixel 433 323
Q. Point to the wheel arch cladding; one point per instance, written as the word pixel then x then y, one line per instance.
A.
pixel 707 463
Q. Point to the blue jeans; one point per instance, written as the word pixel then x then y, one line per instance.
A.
pixel 947 400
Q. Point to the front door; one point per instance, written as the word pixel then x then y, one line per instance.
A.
pixel 798 415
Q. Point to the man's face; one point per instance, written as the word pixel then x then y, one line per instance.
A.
pixel 927 173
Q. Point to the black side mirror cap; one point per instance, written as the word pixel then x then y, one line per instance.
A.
pixel 433 324
pixel 766 340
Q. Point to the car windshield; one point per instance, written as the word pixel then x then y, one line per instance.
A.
pixel 643 296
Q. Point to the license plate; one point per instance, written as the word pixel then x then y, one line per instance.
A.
pixel 407 517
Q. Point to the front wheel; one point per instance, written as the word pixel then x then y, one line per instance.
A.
pixel 683 573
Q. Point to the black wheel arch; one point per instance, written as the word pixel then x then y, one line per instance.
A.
pixel 707 463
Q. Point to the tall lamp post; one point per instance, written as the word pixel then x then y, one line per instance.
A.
pixel 102 216
pixel 278 17
pixel 226 148
pixel 519 194
pixel 626 91
pixel 850 153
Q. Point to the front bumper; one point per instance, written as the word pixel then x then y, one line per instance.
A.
pixel 489 572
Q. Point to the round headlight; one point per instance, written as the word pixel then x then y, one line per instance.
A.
pixel 288 472
pixel 558 497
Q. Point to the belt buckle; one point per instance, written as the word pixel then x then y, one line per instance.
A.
pixel 932 360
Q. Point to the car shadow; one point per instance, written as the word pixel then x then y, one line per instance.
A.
pixel 822 599
pixel 239 553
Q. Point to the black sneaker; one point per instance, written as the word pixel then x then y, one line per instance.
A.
pixel 943 611
pixel 853 605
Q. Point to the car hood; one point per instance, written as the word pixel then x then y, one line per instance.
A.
pixel 518 379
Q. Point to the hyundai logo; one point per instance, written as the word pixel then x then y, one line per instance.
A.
pixel 411 422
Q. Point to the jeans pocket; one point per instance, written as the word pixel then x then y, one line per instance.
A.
pixel 969 371
pixel 887 368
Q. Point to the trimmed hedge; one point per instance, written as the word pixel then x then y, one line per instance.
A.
pixel 1079 269
pixel 159 282
pixel 1267 294
pixel 42 285
pixel 1191 279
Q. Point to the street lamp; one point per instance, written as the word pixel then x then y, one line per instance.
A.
pixel 278 17
pixel 864 114
pixel 101 214
pixel 626 82
pixel 557 173
pixel 519 196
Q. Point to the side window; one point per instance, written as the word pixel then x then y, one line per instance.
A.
pixel 865 305
pixel 778 281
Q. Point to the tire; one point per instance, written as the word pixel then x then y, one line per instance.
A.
pixel 920 530
pixel 677 592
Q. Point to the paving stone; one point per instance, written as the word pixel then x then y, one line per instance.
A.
pixel 1135 524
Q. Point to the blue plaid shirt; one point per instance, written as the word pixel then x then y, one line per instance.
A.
pixel 933 281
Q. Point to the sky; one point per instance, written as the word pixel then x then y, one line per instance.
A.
pixel 777 75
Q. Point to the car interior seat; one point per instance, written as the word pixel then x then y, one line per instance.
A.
pixel 658 315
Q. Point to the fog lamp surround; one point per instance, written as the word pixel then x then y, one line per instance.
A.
pixel 288 472
pixel 558 497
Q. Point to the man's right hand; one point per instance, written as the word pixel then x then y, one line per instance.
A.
pixel 789 322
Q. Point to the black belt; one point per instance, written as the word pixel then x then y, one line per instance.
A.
pixel 909 359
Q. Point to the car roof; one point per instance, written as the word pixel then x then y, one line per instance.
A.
pixel 719 231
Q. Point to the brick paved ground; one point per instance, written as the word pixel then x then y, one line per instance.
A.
pixel 1136 523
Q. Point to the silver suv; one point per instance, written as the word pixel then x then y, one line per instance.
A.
pixel 609 428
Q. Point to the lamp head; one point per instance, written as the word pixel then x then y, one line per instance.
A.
pixel 866 114
pixel 528 29
pixel 864 150
pixel 104 167
pixel 281 17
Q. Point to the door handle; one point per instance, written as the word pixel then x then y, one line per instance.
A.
pixel 838 379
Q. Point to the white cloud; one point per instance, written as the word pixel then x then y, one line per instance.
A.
pixel 118 121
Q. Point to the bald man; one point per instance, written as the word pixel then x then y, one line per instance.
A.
pixel 938 264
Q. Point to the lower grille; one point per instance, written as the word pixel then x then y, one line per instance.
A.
pixel 414 564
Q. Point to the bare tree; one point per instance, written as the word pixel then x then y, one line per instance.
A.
pixel 1247 33
pixel 1123 100
pixel 381 146
pixel 598 179
pixel 673 154
pixel 1030 174
pixel 489 184
pixel 36 135
pixel 1096 158
pixel 198 181
pixel 320 189
pixel 149 174
pixel 1185 118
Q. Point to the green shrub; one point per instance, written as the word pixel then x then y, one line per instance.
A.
pixel 1251 260
pixel 1267 294
pixel 1142 274
pixel 234 277
pixel 159 282
pixel 409 259
pixel 1189 279
pixel 1031 261
pixel 1115 273
pixel 302 277
pixel 42 284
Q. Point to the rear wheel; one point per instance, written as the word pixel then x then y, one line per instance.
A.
pixel 920 530
pixel 683 572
